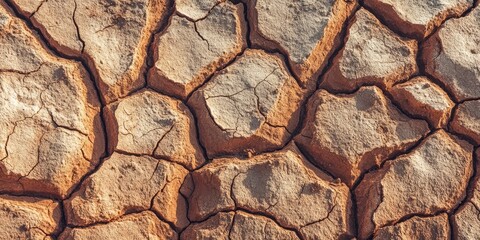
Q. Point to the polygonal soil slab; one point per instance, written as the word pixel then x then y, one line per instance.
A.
pixel 430 179
pixel 282 185
pixel 417 228
pixel 148 123
pixel 420 97
pixel 51 133
pixel 373 54
pixel 466 221
pixel 191 50
pixel 144 225
pixel 112 35
pixel 307 31
pixel 237 225
pixel 29 218
pixel 129 183
pixel 349 134
pixel 252 105
pixel 466 120
pixel 417 18
pixel 452 55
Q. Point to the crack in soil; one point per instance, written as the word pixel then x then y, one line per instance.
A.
pixel 276 48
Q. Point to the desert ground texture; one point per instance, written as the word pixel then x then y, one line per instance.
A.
pixel 240 119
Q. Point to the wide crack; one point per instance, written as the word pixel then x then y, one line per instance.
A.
pixel 299 127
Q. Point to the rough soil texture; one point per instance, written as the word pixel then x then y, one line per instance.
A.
pixel 111 36
pixel 372 54
pixel 144 225
pixel 252 105
pixel 375 131
pixel 417 19
pixel 240 119
pixel 194 47
pixel 51 130
pixel 306 31
pixel 419 182
pixel 466 221
pixel 452 55
pixel 417 228
pixel 466 120
pixel 423 98
pixel 164 128
pixel 293 193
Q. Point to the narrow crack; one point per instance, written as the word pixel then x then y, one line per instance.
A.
pixel 200 35
pixel 147 155
pixel 231 225
pixel 38 8
pixel 258 102
pixel 201 18
pixel 203 149
pixel 406 218
pixel 451 119
pixel 397 31
pixel 15 124
pixel 232 193
pixel 153 174
pixel 38 158
pixel 226 96
pixel 39 229
pixel 472 182
pixel 114 219
pixel 321 219
pixel 161 138
pixel 329 64
pixel 54 122
pixel 262 213
pixel 392 157
pixel 152 201
pixel 25 74
pixel 208 78
pixel 79 37
pixel 310 158
pixel 388 96
pixel 272 218
pixel 187 201
pixel 195 21
pixel 296 132
pixel 258 213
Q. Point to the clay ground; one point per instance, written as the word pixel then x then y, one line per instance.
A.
pixel 239 119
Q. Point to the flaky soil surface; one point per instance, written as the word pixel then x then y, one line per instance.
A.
pixel 240 119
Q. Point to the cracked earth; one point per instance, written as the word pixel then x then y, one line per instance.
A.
pixel 240 119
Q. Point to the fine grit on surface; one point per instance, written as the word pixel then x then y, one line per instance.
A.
pixel 240 119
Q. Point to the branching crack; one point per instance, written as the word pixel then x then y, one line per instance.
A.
pixel 258 106
pixel 202 18
pixel 257 102
pixel 321 219
pixel 38 159
pixel 15 124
